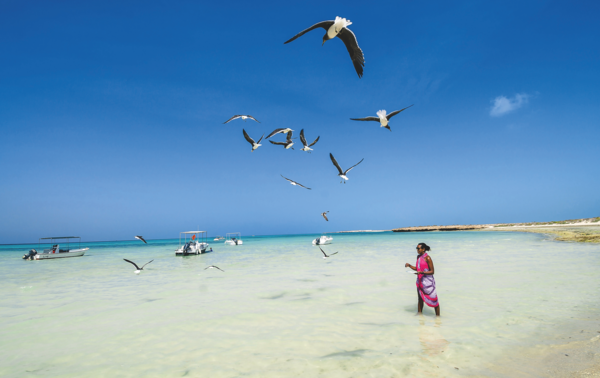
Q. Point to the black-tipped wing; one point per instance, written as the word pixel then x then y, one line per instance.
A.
pixel 146 263
pixel 249 116
pixel 323 24
pixel 313 143
pixel 232 118
pixel 134 264
pixel 274 132
pixel 324 254
pixel 336 164
pixel 215 267
pixel 279 143
pixel 348 170
pixel 366 119
pixel 356 54
pixel 250 140
pixel 325 215
pixel 396 112
pixel 141 238
pixel 260 139
pixel 289 136
pixel 302 138
pixel 333 253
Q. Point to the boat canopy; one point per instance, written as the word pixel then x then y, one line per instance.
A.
pixel 62 237
pixel 192 232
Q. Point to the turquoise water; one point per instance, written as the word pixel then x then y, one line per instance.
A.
pixel 281 310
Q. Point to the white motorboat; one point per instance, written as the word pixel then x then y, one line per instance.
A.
pixel 233 238
pixel 219 238
pixel 56 251
pixel 194 243
pixel 322 240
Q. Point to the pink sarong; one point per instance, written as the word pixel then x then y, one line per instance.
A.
pixel 426 283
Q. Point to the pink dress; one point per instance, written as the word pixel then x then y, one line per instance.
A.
pixel 426 283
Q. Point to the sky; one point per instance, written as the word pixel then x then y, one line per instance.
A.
pixel 111 116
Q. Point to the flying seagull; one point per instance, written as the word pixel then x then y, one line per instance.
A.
pixel 382 118
pixel 244 117
pixel 295 183
pixel 254 144
pixel 326 255
pixel 339 28
pixel 277 131
pixel 288 142
pixel 324 215
pixel 214 267
pixel 342 174
pixel 137 267
pixel 307 147
pixel 140 238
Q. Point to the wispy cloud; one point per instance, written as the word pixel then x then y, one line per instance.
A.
pixel 503 104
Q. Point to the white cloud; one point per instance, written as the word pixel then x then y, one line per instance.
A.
pixel 503 105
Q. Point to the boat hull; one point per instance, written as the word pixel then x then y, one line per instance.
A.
pixel 230 242
pixel 61 255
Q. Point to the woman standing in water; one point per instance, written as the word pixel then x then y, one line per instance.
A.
pixel 425 280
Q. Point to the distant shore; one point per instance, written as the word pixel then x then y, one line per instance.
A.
pixel 577 230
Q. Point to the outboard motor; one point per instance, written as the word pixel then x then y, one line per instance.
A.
pixel 29 256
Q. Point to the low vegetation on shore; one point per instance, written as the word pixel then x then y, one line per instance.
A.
pixel 553 223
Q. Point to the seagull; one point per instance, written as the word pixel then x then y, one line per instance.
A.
pixel 307 147
pixel 326 255
pixel 254 144
pixel 137 267
pixel 382 118
pixel 214 267
pixel 342 174
pixel 339 28
pixel 244 117
pixel 288 143
pixel 277 131
pixel 141 238
pixel 324 215
pixel 295 183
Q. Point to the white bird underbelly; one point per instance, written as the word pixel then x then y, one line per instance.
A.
pixel 383 121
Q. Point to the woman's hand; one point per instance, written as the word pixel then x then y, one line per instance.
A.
pixel 407 265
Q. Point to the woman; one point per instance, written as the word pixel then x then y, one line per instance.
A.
pixel 425 280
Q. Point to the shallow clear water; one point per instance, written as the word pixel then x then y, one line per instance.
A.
pixel 281 310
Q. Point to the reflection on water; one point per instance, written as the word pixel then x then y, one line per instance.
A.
pixel 430 336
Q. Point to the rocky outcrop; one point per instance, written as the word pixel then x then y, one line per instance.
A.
pixel 443 228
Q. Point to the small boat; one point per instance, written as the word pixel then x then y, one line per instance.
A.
pixel 322 240
pixel 197 243
pixel 234 238
pixel 56 251
pixel 219 238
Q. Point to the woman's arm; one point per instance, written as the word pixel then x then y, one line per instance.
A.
pixel 407 265
pixel 431 268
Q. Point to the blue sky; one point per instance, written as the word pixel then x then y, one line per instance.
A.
pixel 111 116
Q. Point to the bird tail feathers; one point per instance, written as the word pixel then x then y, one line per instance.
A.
pixel 381 114
pixel 342 21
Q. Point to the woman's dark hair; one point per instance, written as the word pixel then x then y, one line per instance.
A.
pixel 424 246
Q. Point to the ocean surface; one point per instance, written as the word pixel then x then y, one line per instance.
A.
pixel 280 310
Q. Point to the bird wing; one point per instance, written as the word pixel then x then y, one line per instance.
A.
pixel 286 178
pixel 324 254
pixel 232 118
pixel 146 263
pixel 348 170
pixel 250 140
pixel 333 253
pixel 313 143
pixel 289 136
pixel 134 264
pixel 260 139
pixel 396 112
pixel 366 119
pixel 325 216
pixel 323 24
pixel 141 238
pixel 273 133
pixel 336 164
pixel 356 54
pixel 297 183
pixel 214 266
pixel 280 143
pixel 302 138
pixel 249 116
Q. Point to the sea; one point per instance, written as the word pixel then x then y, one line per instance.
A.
pixel 279 309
